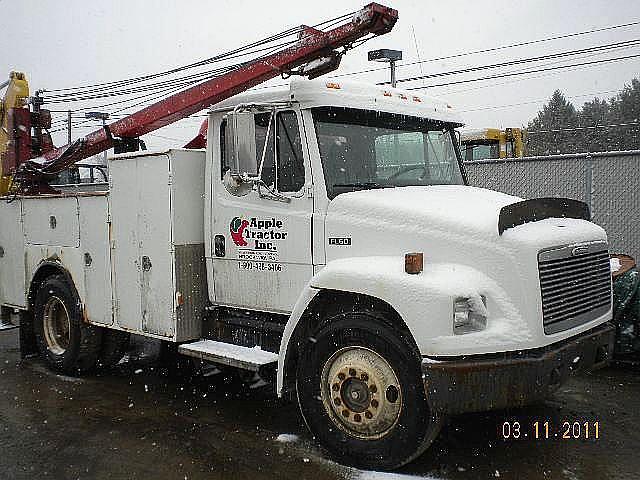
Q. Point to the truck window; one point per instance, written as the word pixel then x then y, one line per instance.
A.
pixel 224 161
pixel 289 174
pixel 290 161
pixel 268 167
pixel 362 149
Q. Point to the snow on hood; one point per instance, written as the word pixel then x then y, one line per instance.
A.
pixel 448 207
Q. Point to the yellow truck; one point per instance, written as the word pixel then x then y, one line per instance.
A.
pixel 492 143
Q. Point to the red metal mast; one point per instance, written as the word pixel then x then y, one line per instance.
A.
pixel 312 44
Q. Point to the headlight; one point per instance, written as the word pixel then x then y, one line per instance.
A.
pixel 469 314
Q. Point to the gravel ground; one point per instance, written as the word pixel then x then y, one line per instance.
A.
pixel 140 422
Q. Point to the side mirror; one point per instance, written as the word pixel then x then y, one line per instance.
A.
pixel 242 145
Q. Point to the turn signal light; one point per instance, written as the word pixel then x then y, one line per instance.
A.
pixel 413 262
pixel 179 299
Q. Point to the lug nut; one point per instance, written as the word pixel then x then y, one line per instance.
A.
pixel 335 387
pixel 337 401
pixel 364 377
pixel 357 418
pixel 374 403
pixel 342 376
pixel 368 414
pixel 373 388
pixel 352 372
pixel 345 413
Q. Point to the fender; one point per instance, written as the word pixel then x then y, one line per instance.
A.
pixel 424 301
pixel 46 267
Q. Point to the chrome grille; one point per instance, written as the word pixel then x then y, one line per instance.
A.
pixel 575 283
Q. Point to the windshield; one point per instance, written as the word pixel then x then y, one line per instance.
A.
pixel 362 149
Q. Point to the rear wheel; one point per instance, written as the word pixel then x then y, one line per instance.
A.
pixel 65 341
pixel 361 393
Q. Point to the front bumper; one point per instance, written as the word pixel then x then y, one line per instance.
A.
pixel 512 379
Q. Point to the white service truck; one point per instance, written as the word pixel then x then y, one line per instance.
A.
pixel 326 237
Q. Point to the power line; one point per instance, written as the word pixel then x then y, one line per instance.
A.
pixel 530 102
pixel 597 48
pixel 575 129
pixel 496 49
pixel 525 72
pixel 249 49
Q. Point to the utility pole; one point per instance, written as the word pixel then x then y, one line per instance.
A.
pixel 69 127
pixel 37 102
pixel 104 116
pixel 386 55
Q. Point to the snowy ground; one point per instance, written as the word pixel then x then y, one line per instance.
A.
pixel 140 422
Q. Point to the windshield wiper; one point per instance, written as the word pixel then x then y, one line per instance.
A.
pixel 362 185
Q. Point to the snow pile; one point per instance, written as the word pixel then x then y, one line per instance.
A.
pixel 287 438
pixel 560 231
pixel 372 475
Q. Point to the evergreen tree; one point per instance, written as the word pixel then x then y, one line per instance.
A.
pixel 546 135
pixel 592 117
pixel 625 110
pixel 599 126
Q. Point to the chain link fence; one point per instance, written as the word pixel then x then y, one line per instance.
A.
pixel 609 182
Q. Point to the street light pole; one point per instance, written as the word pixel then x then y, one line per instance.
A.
pixel 386 55
pixel 392 65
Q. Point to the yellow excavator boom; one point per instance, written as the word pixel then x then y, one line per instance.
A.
pixel 15 96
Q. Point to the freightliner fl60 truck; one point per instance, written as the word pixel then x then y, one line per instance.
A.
pixel 326 238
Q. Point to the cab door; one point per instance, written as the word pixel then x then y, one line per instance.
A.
pixel 262 241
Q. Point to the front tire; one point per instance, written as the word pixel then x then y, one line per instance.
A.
pixel 361 392
pixel 66 343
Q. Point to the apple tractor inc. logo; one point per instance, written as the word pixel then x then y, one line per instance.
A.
pixel 237 227
pixel 258 237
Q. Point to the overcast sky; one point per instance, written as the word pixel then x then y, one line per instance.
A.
pixel 76 42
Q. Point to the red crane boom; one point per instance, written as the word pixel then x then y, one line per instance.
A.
pixel 312 44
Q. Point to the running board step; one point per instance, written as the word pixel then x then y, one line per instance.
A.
pixel 7 326
pixel 246 358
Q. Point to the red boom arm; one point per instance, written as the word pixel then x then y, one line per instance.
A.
pixel 313 44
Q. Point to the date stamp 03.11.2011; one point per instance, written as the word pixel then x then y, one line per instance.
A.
pixel 551 430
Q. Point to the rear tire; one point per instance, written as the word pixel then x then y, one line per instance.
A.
pixel 361 392
pixel 66 343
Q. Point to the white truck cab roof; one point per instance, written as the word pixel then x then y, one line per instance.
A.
pixel 349 94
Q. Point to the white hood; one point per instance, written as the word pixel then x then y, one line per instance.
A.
pixel 456 229
pixel 439 207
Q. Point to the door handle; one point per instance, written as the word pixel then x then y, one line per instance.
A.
pixel 218 246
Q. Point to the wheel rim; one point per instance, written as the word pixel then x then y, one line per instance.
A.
pixel 361 392
pixel 57 327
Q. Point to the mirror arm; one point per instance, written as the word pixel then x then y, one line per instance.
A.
pixel 273 195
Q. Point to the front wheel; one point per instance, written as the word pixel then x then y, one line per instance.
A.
pixel 361 394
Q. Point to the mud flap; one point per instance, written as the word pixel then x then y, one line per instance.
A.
pixel 28 346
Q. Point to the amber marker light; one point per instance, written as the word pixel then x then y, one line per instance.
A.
pixel 179 299
pixel 413 262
